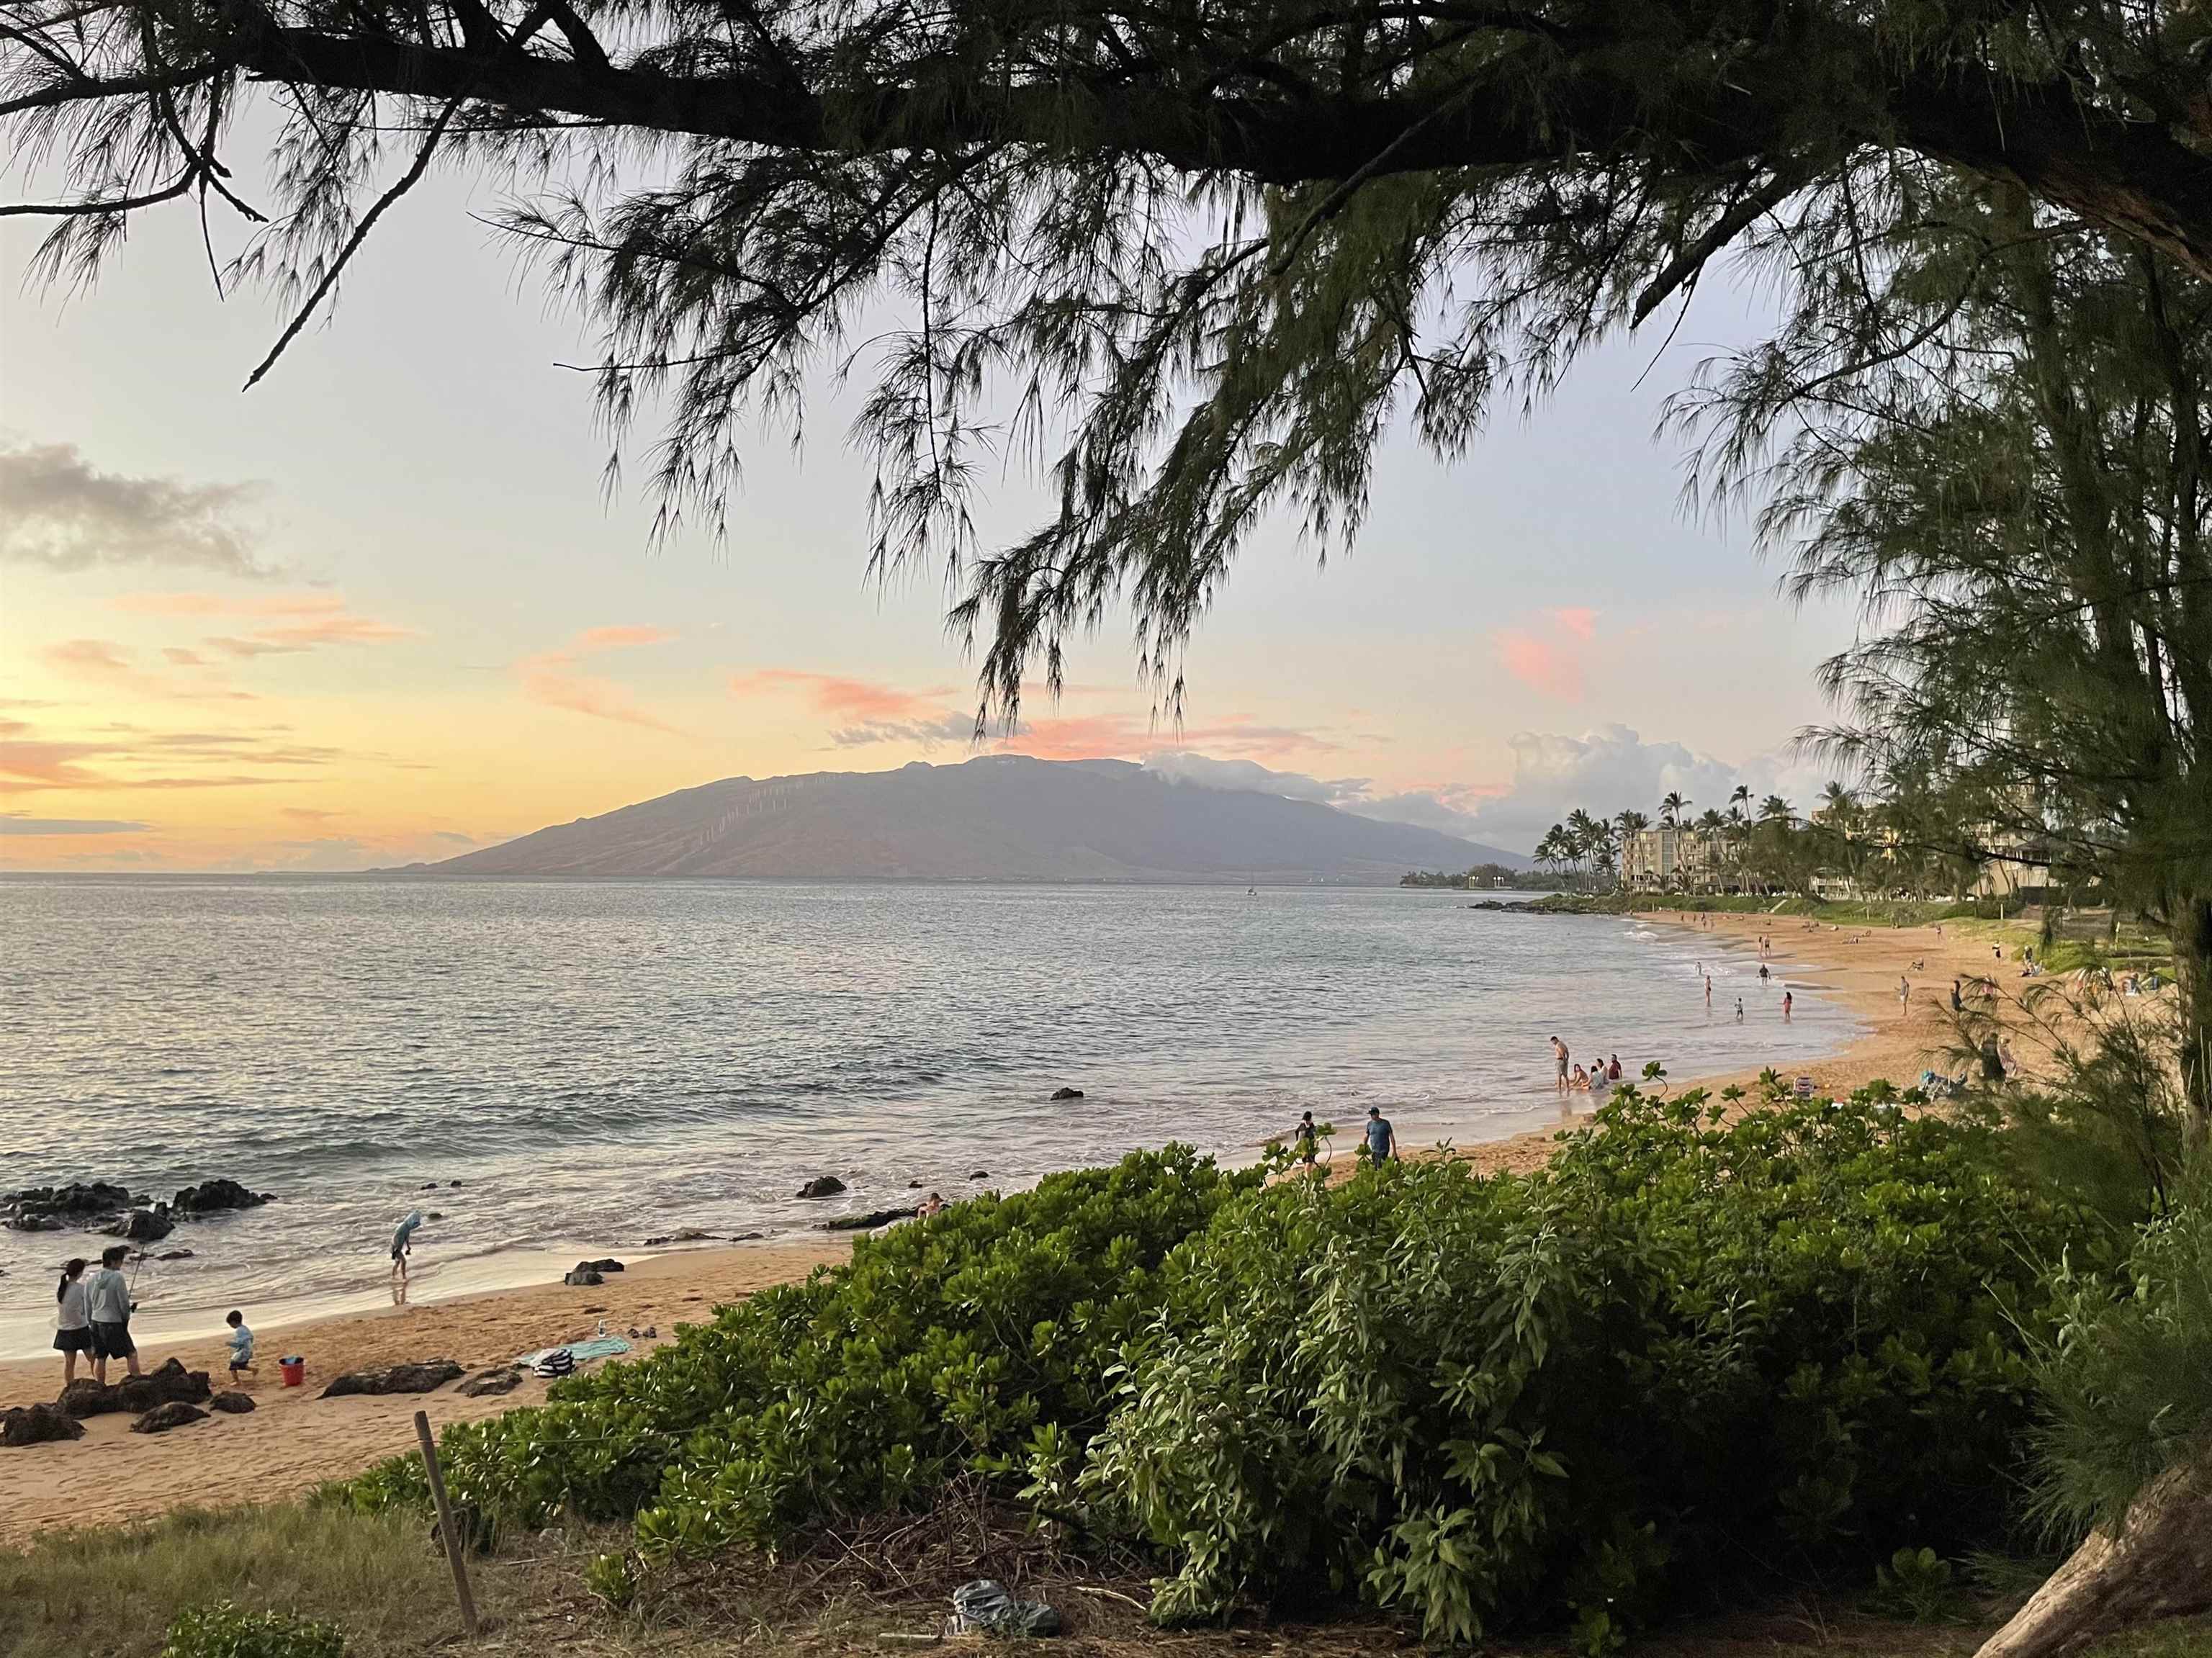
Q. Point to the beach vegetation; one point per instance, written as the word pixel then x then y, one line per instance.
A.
pixel 116 1591
pixel 224 1629
pixel 1696 1352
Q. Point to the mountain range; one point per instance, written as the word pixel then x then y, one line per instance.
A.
pixel 994 817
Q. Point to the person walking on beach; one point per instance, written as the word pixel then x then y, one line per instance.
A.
pixel 403 1243
pixel 1763 975
pixel 241 1344
pixel 108 1306
pixel 1307 1141
pixel 1903 996
pixel 1958 1001
pixel 1560 1052
pixel 1381 1138
pixel 1708 992
pixel 72 1323
pixel 1788 1001
pixel 1739 1009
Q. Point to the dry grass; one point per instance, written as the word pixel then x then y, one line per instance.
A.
pixel 110 1593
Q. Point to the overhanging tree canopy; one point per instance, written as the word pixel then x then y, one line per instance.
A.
pixel 1207 252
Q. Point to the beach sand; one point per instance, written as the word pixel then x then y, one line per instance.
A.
pixel 294 1440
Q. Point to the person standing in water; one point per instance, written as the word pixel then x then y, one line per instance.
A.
pixel 72 1321
pixel 403 1243
pixel 1708 992
pixel 1787 1001
pixel 1381 1138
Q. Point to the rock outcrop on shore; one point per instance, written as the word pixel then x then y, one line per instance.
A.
pixel 214 1196
pixel 105 1206
pixel 38 1424
pixel 171 1383
pixel 423 1378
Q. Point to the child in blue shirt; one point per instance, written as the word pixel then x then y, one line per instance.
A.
pixel 241 1344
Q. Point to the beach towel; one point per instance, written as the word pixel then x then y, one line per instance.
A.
pixel 580 1351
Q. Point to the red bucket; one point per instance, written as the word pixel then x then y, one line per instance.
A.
pixel 294 1370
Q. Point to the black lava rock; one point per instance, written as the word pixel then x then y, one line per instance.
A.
pixel 38 1424
pixel 231 1404
pixel 1067 1094
pixel 396 1379
pixel 212 1197
pixel 162 1417
pixel 500 1379
pixel 142 1226
pixel 822 1185
pixel 866 1222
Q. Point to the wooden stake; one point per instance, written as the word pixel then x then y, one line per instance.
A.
pixel 445 1527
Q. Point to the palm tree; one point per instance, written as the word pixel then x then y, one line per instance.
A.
pixel 1671 808
pixel 1628 824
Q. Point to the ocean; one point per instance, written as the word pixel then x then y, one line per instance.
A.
pixel 574 1066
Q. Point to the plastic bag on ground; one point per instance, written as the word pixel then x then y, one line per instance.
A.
pixel 986 1608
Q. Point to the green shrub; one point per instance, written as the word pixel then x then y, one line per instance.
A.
pixel 943 1346
pixel 225 1630
pixel 1915 1585
pixel 1689 1348
pixel 2127 1374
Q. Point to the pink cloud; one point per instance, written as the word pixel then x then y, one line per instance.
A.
pixel 1541 664
pixel 1578 620
pixel 291 621
pixel 90 659
pixel 847 699
pixel 608 639
pixel 552 680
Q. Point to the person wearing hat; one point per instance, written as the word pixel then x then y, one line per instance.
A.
pixel 403 1243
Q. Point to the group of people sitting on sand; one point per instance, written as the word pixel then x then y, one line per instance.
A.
pixel 1574 1078
pixel 91 1318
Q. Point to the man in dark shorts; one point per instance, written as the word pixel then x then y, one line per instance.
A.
pixel 403 1243
pixel 1559 1051
pixel 1381 1138
pixel 108 1301
pixel 1307 1141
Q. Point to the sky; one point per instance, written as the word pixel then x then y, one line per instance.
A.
pixel 381 607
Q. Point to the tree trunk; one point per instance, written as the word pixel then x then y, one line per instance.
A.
pixel 2191 932
pixel 2160 1565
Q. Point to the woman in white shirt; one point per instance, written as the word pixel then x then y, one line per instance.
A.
pixel 72 1320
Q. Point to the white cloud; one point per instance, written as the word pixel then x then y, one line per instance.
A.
pixel 1439 808
pixel 1612 768
pixel 1604 771
pixel 59 511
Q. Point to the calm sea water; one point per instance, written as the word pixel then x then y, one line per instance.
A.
pixel 597 1062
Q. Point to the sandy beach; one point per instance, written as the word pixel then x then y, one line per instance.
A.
pixel 294 1439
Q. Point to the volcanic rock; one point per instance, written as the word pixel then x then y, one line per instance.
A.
pixel 231 1404
pixel 866 1222
pixel 396 1379
pixel 38 1424
pixel 583 1278
pixel 609 1264
pixel 142 1226
pixel 211 1197
pixel 500 1379
pixel 1067 1094
pixel 162 1417
pixel 49 1208
pixel 688 1235
pixel 822 1185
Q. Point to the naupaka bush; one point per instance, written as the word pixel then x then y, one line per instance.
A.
pixel 1690 1348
